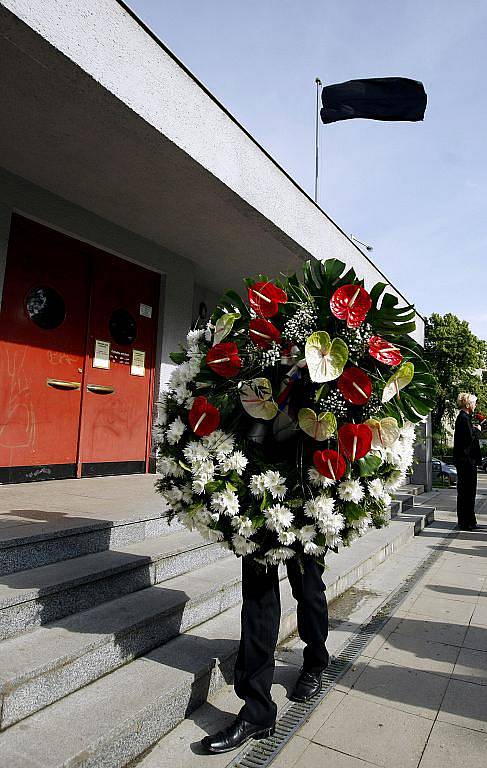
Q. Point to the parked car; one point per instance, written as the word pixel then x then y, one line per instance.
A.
pixel 446 473
pixel 484 464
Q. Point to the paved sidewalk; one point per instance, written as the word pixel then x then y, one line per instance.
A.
pixel 418 694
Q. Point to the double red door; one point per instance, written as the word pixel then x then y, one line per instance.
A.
pixel 77 342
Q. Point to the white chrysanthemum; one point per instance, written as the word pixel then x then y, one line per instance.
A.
pixel 274 482
pixel 167 467
pixel 319 507
pixel 244 525
pixel 375 488
pixel 351 490
pixel 395 480
pixel 202 516
pixel 187 492
pixel 173 496
pixel 278 555
pixel 194 336
pixel 331 524
pixel 311 548
pixel 286 537
pixel 318 480
pixel 225 502
pixel 243 546
pixel 386 498
pixel 219 442
pixel 187 520
pixel 175 431
pixel 361 525
pixel 235 461
pixel 305 534
pixel 257 485
pixel 195 452
pixel 278 517
pixel 211 534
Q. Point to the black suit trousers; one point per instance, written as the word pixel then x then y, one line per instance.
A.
pixel 260 619
pixel 466 492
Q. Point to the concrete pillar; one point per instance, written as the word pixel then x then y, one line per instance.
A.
pixel 422 469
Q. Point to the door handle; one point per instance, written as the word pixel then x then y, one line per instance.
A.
pixel 100 389
pixel 61 384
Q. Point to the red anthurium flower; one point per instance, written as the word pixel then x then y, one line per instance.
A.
pixel 355 385
pixel 351 303
pixel 223 359
pixel 330 464
pixel 384 351
pixel 355 440
pixel 265 298
pixel 263 333
pixel 203 417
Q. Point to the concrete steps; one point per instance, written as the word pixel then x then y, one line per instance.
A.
pixel 116 646
pixel 41 666
pixel 32 545
pixel 43 595
pixel 116 718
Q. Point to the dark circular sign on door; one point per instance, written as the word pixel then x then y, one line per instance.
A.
pixel 45 307
pixel 123 327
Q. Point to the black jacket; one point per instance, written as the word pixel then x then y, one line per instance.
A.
pixel 466 446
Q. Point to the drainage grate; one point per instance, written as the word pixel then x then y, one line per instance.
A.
pixel 261 753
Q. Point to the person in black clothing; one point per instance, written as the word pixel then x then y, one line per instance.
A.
pixel 466 455
pixel 254 667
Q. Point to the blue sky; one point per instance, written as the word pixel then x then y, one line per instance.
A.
pixel 416 191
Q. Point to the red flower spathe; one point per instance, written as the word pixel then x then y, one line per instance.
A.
pixel 351 303
pixel 223 359
pixel 355 385
pixel 355 440
pixel 384 351
pixel 264 298
pixel 263 333
pixel 330 464
pixel 203 417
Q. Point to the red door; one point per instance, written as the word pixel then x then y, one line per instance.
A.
pixel 42 351
pixel 119 367
pixel 77 338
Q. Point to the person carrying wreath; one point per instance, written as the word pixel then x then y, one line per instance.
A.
pixel 466 455
pixel 254 667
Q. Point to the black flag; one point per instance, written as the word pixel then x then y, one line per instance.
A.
pixel 376 98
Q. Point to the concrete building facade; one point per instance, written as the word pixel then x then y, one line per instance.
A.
pixel 108 141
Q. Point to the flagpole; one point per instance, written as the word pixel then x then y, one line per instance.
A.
pixel 317 135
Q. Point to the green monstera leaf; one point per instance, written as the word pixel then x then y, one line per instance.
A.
pixel 325 358
pixel 224 325
pixel 385 431
pixel 256 399
pixel 318 426
pixel 399 379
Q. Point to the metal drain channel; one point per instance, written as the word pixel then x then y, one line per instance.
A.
pixel 261 753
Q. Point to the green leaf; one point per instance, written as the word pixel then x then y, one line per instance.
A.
pixel 178 357
pixel 318 426
pixel 325 358
pixel 369 465
pixel 399 379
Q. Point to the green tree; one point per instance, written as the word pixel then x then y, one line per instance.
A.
pixel 454 354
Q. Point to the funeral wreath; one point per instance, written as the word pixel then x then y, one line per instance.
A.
pixel 290 418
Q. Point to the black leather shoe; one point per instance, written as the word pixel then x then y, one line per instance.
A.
pixel 234 736
pixel 307 686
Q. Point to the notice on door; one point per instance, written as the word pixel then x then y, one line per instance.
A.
pixel 138 363
pixel 101 358
pixel 145 310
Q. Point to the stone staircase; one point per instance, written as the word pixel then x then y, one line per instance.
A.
pixel 111 632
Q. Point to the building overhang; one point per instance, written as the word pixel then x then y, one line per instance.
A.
pixel 97 111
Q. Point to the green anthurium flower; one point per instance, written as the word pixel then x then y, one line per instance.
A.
pixel 325 358
pixel 385 432
pixel 399 379
pixel 318 426
pixel 224 325
pixel 256 399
